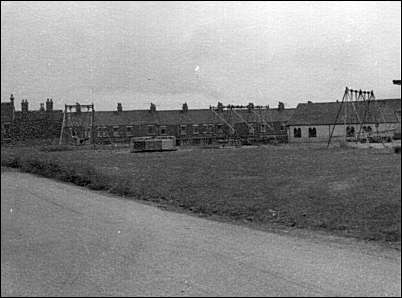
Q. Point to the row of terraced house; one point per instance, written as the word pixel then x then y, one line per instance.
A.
pixel 189 126
pixel 308 122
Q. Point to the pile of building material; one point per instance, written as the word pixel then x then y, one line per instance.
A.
pixel 161 143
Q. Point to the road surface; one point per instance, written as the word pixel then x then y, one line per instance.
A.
pixel 61 240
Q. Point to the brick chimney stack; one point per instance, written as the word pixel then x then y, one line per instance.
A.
pixel 12 99
pixel 220 107
pixel 42 107
pixel 49 105
pixel 152 108
pixel 250 106
pixel 185 108
pixel 24 106
pixel 119 107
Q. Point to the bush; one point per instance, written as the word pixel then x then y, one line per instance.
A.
pixel 79 174
pixel 13 162
pixel 32 166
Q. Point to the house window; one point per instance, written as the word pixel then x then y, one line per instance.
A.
pixel 195 129
pixel 7 128
pixel 130 130
pixel 151 129
pixel 102 131
pixel 116 131
pixel 263 128
pixel 183 131
pixel 205 128
pixel 99 132
pixel 87 133
pixel 251 128
pixel 312 132
pixel 163 130
pixel 105 131
pixel 211 128
pixel 367 129
pixel 350 131
pixel 74 131
pixel 220 128
pixel 297 132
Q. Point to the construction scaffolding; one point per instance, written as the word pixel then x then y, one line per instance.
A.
pixel 254 122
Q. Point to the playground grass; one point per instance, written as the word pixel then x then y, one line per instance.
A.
pixel 352 192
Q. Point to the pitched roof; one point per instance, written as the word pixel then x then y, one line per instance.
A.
pixel 138 117
pixel 7 111
pixel 268 115
pixel 325 113
pixel 174 117
pixel 55 115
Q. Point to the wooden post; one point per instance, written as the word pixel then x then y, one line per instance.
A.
pixel 337 115
pixel 345 116
pixel 93 127
pixel 63 125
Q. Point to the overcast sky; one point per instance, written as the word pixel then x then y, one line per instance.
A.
pixel 198 52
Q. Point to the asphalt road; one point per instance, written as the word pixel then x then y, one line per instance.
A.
pixel 61 240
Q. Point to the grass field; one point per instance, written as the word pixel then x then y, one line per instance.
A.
pixel 346 191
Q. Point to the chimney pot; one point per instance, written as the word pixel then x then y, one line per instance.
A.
pixel 220 106
pixel 185 107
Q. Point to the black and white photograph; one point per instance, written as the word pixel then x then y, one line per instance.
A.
pixel 201 148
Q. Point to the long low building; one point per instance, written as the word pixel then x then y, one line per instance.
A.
pixel 314 122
